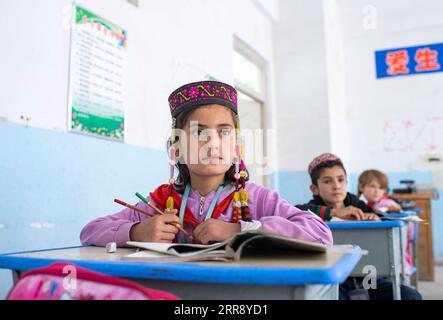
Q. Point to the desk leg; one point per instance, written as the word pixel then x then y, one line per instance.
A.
pixel 415 262
pixel 394 257
pixel 316 292
pixel 405 279
pixel 15 276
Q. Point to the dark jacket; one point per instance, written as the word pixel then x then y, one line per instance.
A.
pixel 320 208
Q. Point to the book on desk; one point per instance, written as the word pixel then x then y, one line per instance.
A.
pixel 245 244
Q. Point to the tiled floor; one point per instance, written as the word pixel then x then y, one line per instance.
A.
pixel 433 290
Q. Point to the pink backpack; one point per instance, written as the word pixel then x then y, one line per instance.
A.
pixel 64 281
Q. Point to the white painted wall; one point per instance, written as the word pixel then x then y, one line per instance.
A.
pixel 169 43
pixel 329 99
pixel 370 102
pixel 302 94
pixel 327 94
pixel 339 134
pixel 269 8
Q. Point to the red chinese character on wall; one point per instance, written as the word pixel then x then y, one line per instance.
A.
pixel 426 59
pixel 397 62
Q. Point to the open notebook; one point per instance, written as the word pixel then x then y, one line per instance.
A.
pixel 244 244
pixel 384 216
pixel 401 217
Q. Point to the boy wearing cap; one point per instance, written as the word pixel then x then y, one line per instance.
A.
pixel 331 199
pixel 329 189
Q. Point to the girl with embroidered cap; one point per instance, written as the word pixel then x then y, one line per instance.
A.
pixel 211 197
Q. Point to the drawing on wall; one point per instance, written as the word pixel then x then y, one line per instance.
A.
pixel 417 135
pixel 97 76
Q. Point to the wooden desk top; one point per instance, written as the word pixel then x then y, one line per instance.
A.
pixel 414 196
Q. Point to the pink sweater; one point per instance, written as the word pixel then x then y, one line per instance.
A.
pixel 275 214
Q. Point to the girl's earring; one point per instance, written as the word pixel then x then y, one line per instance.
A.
pixel 172 162
pixel 179 157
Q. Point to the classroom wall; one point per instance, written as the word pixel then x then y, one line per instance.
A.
pixel 302 102
pixel 360 118
pixel 301 95
pixel 378 111
pixel 322 96
pixel 54 182
pixel 400 99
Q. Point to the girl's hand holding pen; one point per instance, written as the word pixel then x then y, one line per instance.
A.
pixel 159 228
pixel 159 212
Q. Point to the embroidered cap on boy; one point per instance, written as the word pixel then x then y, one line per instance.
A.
pixel 321 159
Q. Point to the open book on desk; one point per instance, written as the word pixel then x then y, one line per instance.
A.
pixel 401 217
pixel 244 244
pixel 385 217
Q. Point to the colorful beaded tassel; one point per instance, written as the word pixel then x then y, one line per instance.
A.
pixel 170 201
pixel 241 209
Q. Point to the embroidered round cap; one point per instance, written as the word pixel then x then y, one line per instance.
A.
pixel 193 95
pixel 321 159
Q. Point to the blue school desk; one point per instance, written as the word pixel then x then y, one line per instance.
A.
pixel 304 276
pixel 412 278
pixel 386 243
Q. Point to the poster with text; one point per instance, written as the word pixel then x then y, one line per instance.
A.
pixel 97 76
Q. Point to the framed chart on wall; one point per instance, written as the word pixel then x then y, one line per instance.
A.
pixel 97 76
